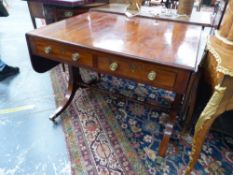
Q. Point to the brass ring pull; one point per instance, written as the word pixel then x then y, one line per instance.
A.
pixel 151 76
pixel 48 49
pixel 75 56
pixel 113 66
pixel 68 14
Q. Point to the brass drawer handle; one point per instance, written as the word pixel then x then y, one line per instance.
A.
pixel 48 50
pixel 151 76
pixel 75 56
pixel 113 66
pixel 68 14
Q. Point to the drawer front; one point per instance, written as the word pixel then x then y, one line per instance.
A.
pixel 140 71
pixel 61 52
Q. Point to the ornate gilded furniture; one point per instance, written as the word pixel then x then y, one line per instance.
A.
pixel 115 45
pixel 134 8
pixel 219 72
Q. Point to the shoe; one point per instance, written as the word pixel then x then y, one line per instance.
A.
pixel 8 71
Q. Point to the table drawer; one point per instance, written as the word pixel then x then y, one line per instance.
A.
pixel 62 52
pixel 138 70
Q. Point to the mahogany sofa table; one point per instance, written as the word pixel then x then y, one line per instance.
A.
pixel 162 54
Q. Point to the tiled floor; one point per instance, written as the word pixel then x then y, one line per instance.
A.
pixel 29 142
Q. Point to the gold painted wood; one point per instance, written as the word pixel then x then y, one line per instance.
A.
pixel 220 66
pixel 227 20
pixel 134 8
pixel 222 50
pixel 218 70
pixel 185 7
pixel 217 105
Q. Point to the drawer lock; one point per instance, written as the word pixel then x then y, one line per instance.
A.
pixel 48 49
pixel 113 67
pixel 75 56
pixel 151 76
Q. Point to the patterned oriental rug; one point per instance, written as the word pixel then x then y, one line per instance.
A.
pixel 110 135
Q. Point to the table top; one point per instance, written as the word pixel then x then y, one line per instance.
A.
pixel 203 18
pixel 65 3
pixel 161 42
